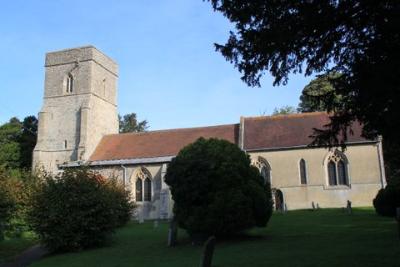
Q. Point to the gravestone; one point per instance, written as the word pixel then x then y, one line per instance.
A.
pixel 164 203
pixel 349 209
pixel 172 233
pixel 208 252
pixel 141 215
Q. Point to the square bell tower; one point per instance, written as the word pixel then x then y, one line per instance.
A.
pixel 79 106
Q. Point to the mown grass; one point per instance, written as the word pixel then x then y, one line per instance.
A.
pixel 298 238
pixel 12 247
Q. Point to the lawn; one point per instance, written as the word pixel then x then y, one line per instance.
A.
pixel 11 247
pixel 298 238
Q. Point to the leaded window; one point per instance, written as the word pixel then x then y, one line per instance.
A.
pixel 303 172
pixel 147 189
pixel 266 174
pixel 332 173
pixel 265 169
pixel 337 169
pixel 143 185
pixel 342 176
pixel 139 190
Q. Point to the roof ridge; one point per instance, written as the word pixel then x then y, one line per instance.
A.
pixel 173 130
pixel 283 116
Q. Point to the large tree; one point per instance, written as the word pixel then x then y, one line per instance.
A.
pixel 27 140
pixel 359 39
pixel 17 141
pixel 129 123
pixel 320 94
pixel 285 110
pixel 10 149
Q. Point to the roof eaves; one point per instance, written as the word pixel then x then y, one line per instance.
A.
pixel 305 146
pixel 118 162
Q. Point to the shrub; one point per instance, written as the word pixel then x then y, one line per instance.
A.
pixel 7 208
pixel 216 191
pixel 388 199
pixel 77 209
pixel 121 200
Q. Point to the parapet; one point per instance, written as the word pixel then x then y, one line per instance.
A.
pixel 81 54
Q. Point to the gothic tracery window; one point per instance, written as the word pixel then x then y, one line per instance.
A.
pixel 143 185
pixel 265 169
pixel 337 169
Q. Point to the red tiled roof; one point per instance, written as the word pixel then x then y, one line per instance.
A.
pixel 265 132
pixel 158 143
pixel 268 132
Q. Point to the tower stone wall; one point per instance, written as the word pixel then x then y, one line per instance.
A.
pixel 79 106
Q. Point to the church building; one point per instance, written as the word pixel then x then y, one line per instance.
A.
pixel 78 125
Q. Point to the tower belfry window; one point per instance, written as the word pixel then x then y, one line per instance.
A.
pixel 70 83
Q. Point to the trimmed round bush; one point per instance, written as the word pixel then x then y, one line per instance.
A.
pixel 387 200
pixel 216 191
pixel 78 209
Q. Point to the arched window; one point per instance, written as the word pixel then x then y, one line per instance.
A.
pixel 342 173
pixel 332 173
pixel 147 189
pixel 303 172
pixel 337 169
pixel 143 184
pixel 139 190
pixel 266 174
pixel 70 83
pixel 265 169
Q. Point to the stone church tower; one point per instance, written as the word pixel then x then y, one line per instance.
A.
pixel 79 106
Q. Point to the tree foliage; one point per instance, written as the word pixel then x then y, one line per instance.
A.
pixel 285 110
pixel 320 94
pixel 7 207
pixel 129 123
pixel 27 140
pixel 359 39
pixel 17 141
pixel 10 150
pixel 215 189
pixel 388 199
pixel 16 188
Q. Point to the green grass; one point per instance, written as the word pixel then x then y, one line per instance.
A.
pixel 298 238
pixel 12 247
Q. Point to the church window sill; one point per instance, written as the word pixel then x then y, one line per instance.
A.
pixel 337 187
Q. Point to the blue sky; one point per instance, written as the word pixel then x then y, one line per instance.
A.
pixel 170 73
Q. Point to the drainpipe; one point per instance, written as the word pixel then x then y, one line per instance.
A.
pixel 124 175
pixel 241 133
pixel 381 162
